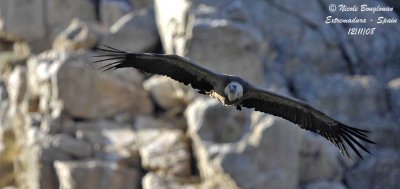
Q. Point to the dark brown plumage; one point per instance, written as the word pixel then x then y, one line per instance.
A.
pixel 232 90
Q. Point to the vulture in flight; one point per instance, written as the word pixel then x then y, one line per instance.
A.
pixel 233 90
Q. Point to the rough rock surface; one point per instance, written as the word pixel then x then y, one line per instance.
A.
pixel 325 185
pixel 382 171
pixel 394 96
pixel 134 32
pixel 210 121
pixel 319 159
pixel 247 149
pixel 169 94
pixel 203 37
pixel 28 22
pixel 111 11
pixel 68 75
pixel 335 96
pixel 71 146
pixel 140 4
pixel 78 35
pixel 59 14
pixel 64 124
pixel 155 181
pixel 39 21
pixel 163 149
pixel 96 174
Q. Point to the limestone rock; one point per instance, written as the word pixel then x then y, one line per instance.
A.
pixel 8 152
pixel 72 146
pixel 58 76
pixel 134 32
pixel 17 88
pixel 169 94
pixel 294 26
pixel 34 165
pixel 78 35
pixel 319 159
pixel 163 150
pixel 111 11
pixel 385 135
pixel 141 4
pixel 269 159
pixel 14 54
pixel 25 19
pixel 172 24
pixel 111 141
pixel 96 174
pixel 4 104
pixel 156 181
pixel 197 32
pixel 325 185
pixel 211 46
pixel 209 120
pixel 335 96
pixel 394 95
pixel 378 171
pixel 60 13
pixel 263 153
pixel 213 138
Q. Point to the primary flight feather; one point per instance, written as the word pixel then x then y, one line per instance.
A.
pixel 232 90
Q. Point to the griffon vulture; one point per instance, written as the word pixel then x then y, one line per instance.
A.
pixel 232 90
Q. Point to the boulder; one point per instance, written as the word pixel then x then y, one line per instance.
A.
pixel 56 77
pixel 34 164
pixel 172 24
pixel 26 20
pixel 294 25
pixel 71 146
pixel 384 133
pixel 12 95
pixel 14 54
pixel 111 141
pixel 16 88
pixel 394 96
pixel 78 35
pixel 261 151
pixel 4 103
pixel 319 160
pixel 156 181
pixel 8 152
pixel 60 13
pixel 379 171
pixel 93 174
pixel 196 31
pixel 268 158
pixel 325 185
pixel 335 94
pixel 134 32
pixel 111 11
pixel 209 120
pixel 163 150
pixel 141 4
pixel 169 94
pixel 211 46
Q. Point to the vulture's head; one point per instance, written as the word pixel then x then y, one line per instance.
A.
pixel 234 91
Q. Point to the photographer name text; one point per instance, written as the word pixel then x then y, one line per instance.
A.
pixel 364 9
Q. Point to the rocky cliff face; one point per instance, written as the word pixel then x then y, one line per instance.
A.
pixel 64 124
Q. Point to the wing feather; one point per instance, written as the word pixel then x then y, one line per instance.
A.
pixel 307 118
pixel 173 66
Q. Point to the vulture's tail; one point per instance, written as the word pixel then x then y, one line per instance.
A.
pixel 117 58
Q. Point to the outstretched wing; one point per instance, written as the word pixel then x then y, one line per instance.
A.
pixel 307 118
pixel 173 66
